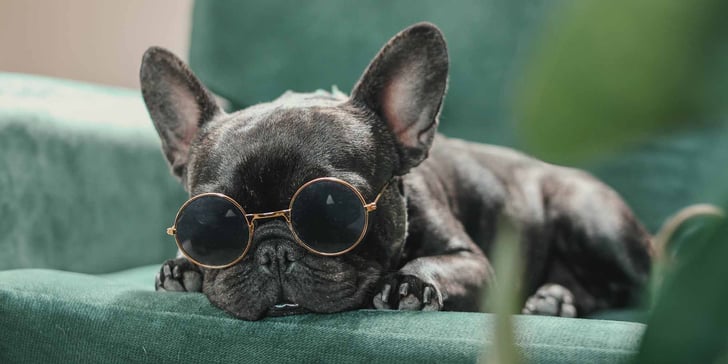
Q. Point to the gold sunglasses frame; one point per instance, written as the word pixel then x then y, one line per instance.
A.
pixel 286 214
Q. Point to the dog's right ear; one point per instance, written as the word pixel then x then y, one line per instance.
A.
pixel 177 102
pixel 404 86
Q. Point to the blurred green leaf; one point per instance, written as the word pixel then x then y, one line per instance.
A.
pixel 689 323
pixel 608 73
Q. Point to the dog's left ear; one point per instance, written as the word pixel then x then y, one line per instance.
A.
pixel 177 102
pixel 404 86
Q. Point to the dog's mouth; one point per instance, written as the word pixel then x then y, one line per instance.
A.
pixel 286 309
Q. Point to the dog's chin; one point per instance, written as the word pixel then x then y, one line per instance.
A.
pixel 271 305
pixel 281 309
pixel 286 309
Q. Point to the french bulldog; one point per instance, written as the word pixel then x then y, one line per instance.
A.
pixel 427 241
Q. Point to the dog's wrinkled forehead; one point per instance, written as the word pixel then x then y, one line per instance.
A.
pixel 267 151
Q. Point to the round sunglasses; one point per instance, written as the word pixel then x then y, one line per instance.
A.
pixel 327 216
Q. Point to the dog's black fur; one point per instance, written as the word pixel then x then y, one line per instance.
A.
pixel 584 250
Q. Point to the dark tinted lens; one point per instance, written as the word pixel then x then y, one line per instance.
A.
pixel 212 230
pixel 328 216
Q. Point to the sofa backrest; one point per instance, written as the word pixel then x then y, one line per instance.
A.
pixel 249 52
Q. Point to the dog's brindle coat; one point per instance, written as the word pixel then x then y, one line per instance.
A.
pixel 584 249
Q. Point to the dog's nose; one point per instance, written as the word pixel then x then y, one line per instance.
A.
pixel 276 251
pixel 278 256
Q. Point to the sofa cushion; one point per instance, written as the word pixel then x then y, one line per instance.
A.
pixel 57 316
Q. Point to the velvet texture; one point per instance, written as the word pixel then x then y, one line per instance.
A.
pixel 84 186
pixel 53 316
pixel 250 52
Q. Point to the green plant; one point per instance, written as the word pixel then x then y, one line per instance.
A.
pixel 607 76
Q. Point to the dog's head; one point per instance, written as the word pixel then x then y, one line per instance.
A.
pixel 261 155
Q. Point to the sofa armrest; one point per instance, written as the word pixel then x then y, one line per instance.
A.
pixel 84 185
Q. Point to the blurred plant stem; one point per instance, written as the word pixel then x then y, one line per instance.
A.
pixel 503 296
pixel 685 225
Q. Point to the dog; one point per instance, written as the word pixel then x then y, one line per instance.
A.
pixel 439 200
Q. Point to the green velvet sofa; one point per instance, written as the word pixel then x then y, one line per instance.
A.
pixel 85 199
pixel 85 196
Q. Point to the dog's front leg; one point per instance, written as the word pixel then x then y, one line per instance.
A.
pixel 178 275
pixel 451 282
pixel 448 272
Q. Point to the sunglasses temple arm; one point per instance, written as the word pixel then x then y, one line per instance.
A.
pixel 373 206
pixel 171 231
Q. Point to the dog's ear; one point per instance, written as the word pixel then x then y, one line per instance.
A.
pixel 177 102
pixel 404 86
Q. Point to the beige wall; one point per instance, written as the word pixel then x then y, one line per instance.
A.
pixel 97 41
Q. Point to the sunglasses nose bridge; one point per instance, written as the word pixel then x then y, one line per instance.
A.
pixel 286 214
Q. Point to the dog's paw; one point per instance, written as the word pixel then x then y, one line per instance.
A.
pixel 178 275
pixel 407 292
pixel 551 300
